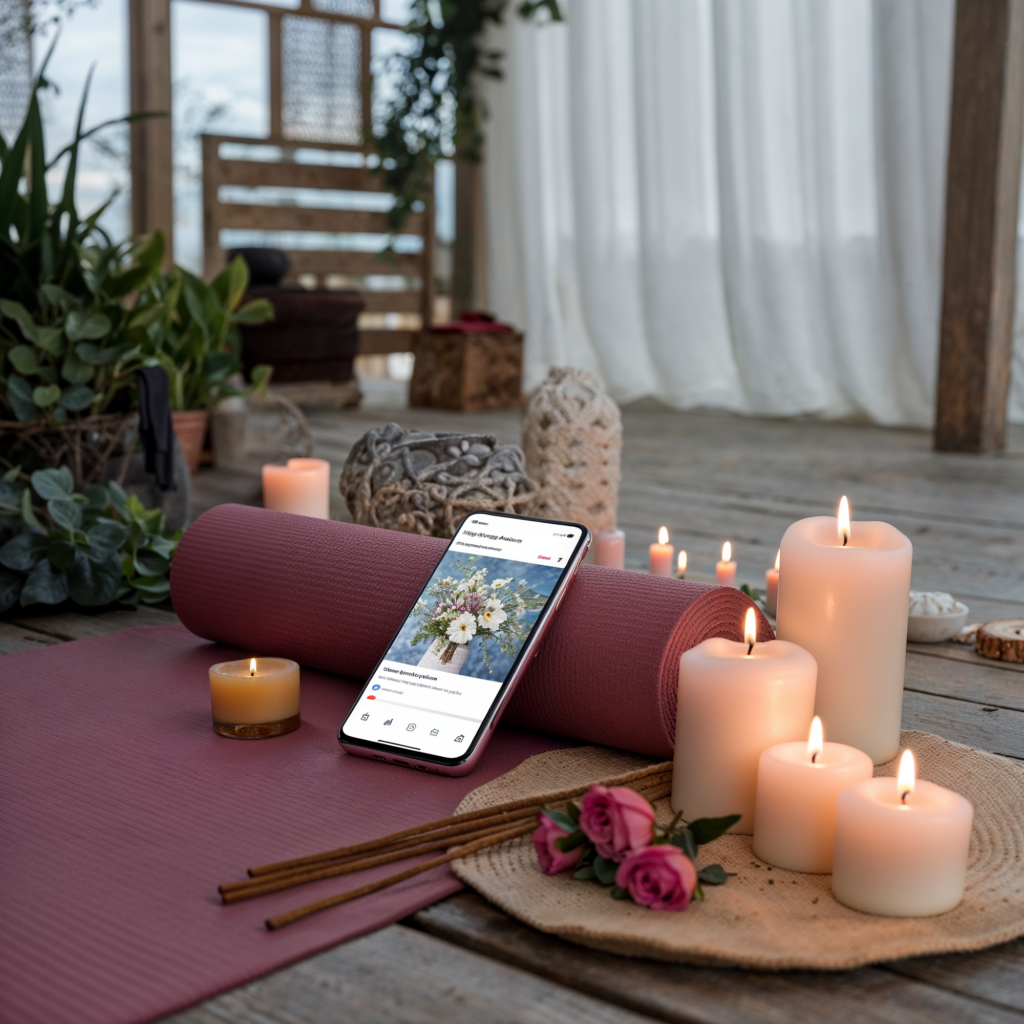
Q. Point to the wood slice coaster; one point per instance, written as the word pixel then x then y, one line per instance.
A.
pixel 1002 640
pixel 764 918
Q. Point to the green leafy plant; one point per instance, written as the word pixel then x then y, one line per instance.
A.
pixel 93 548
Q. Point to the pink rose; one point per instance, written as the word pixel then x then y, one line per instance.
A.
pixel 617 821
pixel 551 858
pixel 660 877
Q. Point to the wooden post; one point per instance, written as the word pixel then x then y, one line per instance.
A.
pixel 468 268
pixel 982 182
pixel 274 67
pixel 151 139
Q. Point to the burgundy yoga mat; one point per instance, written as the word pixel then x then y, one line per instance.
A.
pixel 331 595
pixel 121 810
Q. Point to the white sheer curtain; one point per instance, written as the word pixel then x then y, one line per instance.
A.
pixel 727 203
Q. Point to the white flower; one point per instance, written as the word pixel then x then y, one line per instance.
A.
pixel 463 585
pixel 491 618
pixel 493 603
pixel 501 583
pixel 462 629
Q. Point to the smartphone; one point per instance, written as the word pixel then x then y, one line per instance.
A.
pixel 434 698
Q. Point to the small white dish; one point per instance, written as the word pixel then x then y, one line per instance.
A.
pixel 934 629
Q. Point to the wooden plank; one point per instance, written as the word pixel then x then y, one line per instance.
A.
pixel 682 993
pixel 392 302
pixel 251 216
pixel 982 184
pixel 14 638
pixel 963 654
pixel 79 626
pixel 978 684
pixel 280 140
pixel 985 726
pixel 287 174
pixel 402 975
pixel 378 342
pixel 353 264
pixel 274 73
pixel 345 19
pixel 213 255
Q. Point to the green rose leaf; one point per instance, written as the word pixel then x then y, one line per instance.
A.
pixel 65 513
pixel 685 841
pixel 605 870
pixel 107 535
pixel 94 583
pixel 50 339
pixel 23 359
pixel 87 325
pixel 713 874
pixel 706 829
pixel 149 563
pixel 53 484
pixel 46 395
pixel 75 370
pixel 10 589
pixel 21 316
pixel 77 397
pixel 24 552
pixel 45 585
pixel 584 874
pixel 19 396
pixel 61 553
pixel 559 818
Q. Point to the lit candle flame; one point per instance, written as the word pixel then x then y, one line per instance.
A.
pixel 726 552
pixel 844 521
pixel 816 740
pixel 252 666
pixel 750 630
pixel 907 776
pixel 663 536
pixel 778 555
pixel 681 564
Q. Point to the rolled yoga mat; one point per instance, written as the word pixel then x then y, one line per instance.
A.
pixel 332 595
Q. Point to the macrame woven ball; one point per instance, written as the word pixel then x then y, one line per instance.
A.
pixel 419 482
pixel 572 438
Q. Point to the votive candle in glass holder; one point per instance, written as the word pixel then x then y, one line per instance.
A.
pixel 255 698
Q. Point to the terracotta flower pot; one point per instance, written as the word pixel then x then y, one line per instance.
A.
pixel 190 426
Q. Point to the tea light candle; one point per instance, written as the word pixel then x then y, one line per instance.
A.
pixel 795 809
pixel 846 600
pixel 301 486
pixel 725 570
pixel 736 699
pixel 610 549
pixel 661 555
pixel 901 845
pixel 681 566
pixel 771 586
pixel 255 698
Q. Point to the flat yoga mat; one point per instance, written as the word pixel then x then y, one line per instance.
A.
pixel 121 810
pixel 332 595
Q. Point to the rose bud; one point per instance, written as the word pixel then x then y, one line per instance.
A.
pixel 551 858
pixel 618 821
pixel 660 877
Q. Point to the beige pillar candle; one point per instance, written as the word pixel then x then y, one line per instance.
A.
pixel 846 599
pixel 795 810
pixel 301 486
pixel 661 555
pixel 725 570
pixel 901 846
pixel 255 698
pixel 610 549
pixel 736 699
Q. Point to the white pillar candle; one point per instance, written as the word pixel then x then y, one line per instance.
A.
pixel 845 599
pixel 771 587
pixel 795 810
pixel 901 846
pixel 610 549
pixel 736 699
pixel 725 570
pixel 302 486
pixel 661 555
pixel 681 566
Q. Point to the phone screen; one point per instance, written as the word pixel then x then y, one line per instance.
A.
pixel 459 645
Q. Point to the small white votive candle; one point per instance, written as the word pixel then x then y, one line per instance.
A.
pixel 725 570
pixel 901 846
pixel 771 587
pixel 301 486
pixel 610 549
pixel 795 810
pixel 661 555
pixel 255 698
pixel 736 699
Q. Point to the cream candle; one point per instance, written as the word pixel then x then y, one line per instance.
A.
pixel 901 845
pixel 301 486
pixel 846 600
pixel 795 809
pixel 736 699
pixel 661 555
pixel 610 549
pixel 681 566
pixel 725 570
pixel 771 587
pixel 255 698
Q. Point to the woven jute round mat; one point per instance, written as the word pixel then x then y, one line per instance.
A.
pixel 763 917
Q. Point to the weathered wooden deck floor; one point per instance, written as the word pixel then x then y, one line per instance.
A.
pixel 708 478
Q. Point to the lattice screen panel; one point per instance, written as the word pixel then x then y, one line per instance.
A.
pixel 16 67
pixel 321 74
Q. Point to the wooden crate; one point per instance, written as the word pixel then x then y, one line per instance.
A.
pixel 468 370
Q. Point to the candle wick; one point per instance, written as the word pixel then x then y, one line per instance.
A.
pixel 904 795
pixel 814 757
pixel 845 540
pixel 750 649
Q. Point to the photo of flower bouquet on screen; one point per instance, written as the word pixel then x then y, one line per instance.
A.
pixel 474 615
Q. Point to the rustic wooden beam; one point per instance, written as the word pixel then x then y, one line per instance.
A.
pixel 152 162
pixel 982 183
